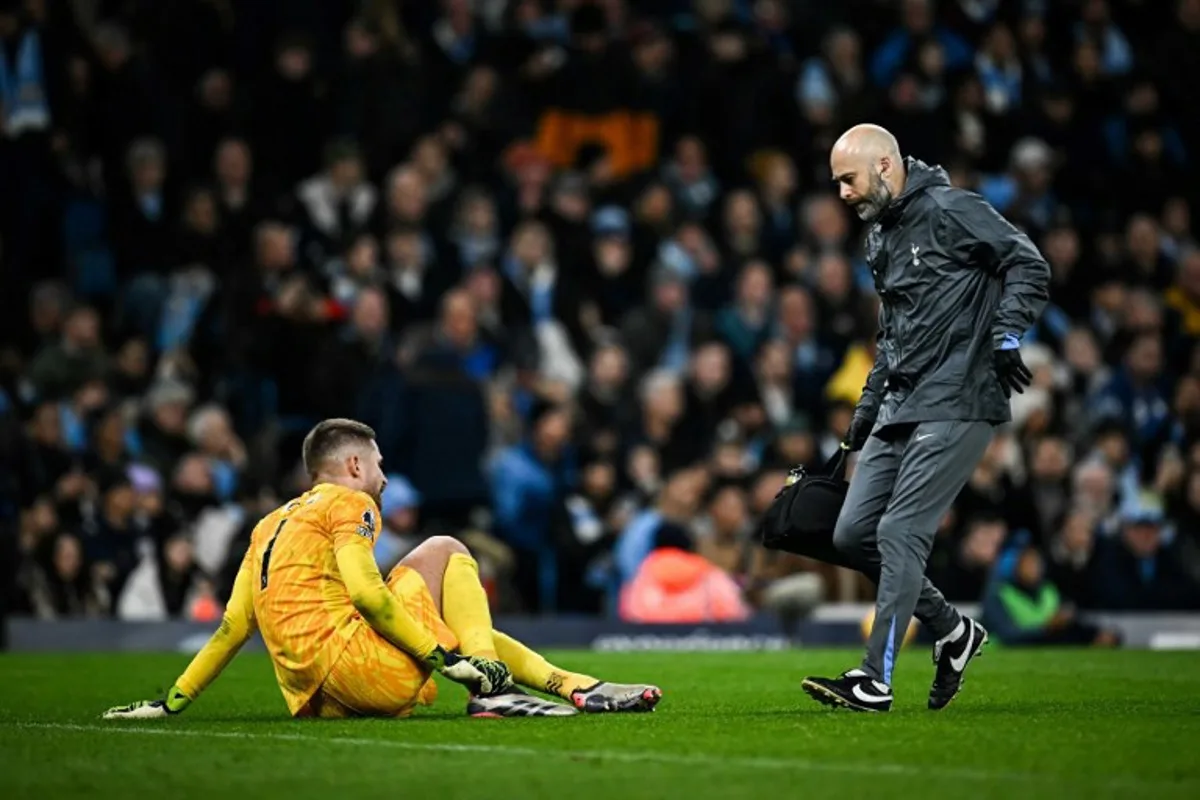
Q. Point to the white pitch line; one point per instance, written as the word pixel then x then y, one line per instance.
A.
pixel 628 756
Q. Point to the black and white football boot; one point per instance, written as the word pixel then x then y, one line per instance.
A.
pixel 951 655
pixel 517 703
pixel 853 689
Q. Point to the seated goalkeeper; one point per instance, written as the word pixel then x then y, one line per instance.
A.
pixel 346 644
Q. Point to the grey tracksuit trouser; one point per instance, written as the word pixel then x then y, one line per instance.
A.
pixel 902 486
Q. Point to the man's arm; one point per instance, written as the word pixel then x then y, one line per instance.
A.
pixel 986 239
pixel 382 610
pixel 354 523
pixel 872 393
pixel 236 628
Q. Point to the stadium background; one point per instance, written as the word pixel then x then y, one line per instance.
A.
pixel 581 267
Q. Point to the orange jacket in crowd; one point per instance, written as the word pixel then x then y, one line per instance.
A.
pixel 675 586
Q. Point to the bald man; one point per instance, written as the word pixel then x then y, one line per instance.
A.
pixel 958 287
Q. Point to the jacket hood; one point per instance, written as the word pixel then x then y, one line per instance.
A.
pixel 921 176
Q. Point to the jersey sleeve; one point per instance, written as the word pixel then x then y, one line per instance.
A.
pixel 353 521
pixel 237 625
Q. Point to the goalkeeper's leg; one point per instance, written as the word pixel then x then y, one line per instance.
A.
pixel 533 671
pixel 453 580
pixel 452 576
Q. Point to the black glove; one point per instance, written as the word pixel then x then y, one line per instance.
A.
pixel 1010 369
pixel 858 433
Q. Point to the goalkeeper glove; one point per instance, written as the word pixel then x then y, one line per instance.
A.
pixel 175 702
pixel 481 676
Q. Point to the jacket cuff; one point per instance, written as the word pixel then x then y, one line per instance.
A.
pixel 1006 341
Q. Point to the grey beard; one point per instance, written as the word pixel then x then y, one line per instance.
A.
pixel 876 200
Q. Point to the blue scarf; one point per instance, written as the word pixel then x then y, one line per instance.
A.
pixel 23 93
pixel 74 432
pixel 180 313
pixel 539 295
pixel 541 302
pixel 678 348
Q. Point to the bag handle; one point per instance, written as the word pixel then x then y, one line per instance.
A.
pixel 835 467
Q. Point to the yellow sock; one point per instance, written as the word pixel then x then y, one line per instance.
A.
pixel 465 607
pixel 531 670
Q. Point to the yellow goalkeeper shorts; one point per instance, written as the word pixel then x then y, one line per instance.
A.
pixel 373 677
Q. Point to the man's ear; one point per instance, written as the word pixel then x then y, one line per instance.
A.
pixel 354 465
pixel 885 166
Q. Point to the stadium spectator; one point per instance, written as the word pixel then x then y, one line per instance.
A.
pixel 289 117
pixel 711 396
pixel 1027 609
pixel 162 431
pixel 688 176
pixel 528 483
pixel 605 399
pixel 210 430
pixel 675 585
pixel 678 502
pixel 917 25
pixel 814 362
pixel 166 585
pixel 1069 557
pixel 974 558
pixel 338 202
pixel 78 356
pixel 64 585
pixel 1141 569
pixel 350 359
pixel 240 196
pixel 722 534
pixel 143 216
pixel 445 414
pixel 744 324
pixel 46 465
pixel 585 528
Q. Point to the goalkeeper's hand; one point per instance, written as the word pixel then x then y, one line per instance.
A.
pixel 481 676
pixel 175 702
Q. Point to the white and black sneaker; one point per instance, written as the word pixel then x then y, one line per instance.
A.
pixel 951 655
pixel 517 703
pixel 853 689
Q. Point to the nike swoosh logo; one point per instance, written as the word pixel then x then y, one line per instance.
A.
pixel 960 663
pixel 872 699
pixel 924 436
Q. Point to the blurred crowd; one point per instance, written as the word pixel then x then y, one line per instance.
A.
pixel 581 267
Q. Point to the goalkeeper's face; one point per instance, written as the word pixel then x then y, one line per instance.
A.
pixel 372 477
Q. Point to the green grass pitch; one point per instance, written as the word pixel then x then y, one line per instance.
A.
pixel 1051 724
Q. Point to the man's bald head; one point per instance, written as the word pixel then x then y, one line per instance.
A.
pixel 868 140
pixel 867 166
